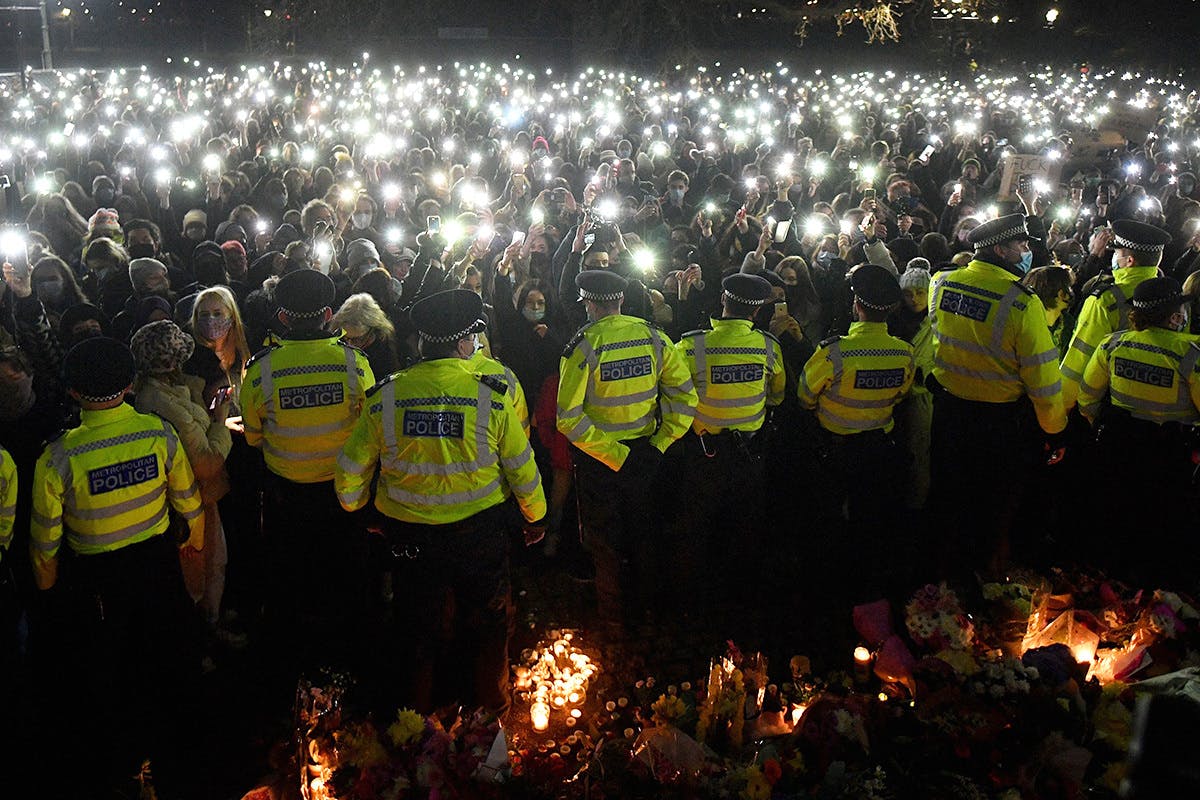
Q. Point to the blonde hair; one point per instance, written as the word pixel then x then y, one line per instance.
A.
pixel 237 332
pixel 363 311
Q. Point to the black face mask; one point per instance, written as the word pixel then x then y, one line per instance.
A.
pixel 141 250
pixel 105 197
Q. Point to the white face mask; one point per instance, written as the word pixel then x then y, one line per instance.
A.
pixel 1115 261
pixel 360 221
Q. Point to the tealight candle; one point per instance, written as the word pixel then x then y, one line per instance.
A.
pixel 539 714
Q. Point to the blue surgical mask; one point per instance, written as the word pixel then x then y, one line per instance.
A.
pixel 1026 262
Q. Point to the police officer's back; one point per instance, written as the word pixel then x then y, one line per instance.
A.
pixel 451 451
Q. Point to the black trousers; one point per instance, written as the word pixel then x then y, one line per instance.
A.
pixel 316 558
pixel 453 610
pixel 619 527
pixel 982 456
pixel 715 537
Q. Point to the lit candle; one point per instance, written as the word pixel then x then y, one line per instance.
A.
pixel 539 714
pixel 862 663
pixel 797 712
pixel 523 677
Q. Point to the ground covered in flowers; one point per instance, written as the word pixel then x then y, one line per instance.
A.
pixel 1025 688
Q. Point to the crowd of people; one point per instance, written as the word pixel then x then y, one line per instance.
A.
pixel 286 350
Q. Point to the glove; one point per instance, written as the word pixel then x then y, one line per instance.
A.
pixel 1055 448
pixel 535 531
pixel 642 462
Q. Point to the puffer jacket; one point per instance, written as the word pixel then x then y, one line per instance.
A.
pixel 206 441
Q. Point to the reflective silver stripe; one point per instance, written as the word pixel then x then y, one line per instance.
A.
pixel 443 498
pixel 618 427
pixel 172 444
pixel 966 347
pixel 624 399
pixel 1149 348
pixel 567 413
pixel 590 359
pixel 7 510
pixel 352 498
pixel 319 455
pixel 700 354
pixel 683 388
pixel 726 423
pixel 1045 391
pixel 988 375
pixel 1069 373
pixel 853 402
pixel 733 402
pixel 1039 359
pixel 1138 402
pixel 112 537
pixel 528 486
pixel 299 432
pixel 1122 307
pixel 252 429
pixel 657 339
pixel 46 522
pixel 1000 323
pixel 974 289
pixel 431 468
pixel 677 407
pixel 184 494
pixel 767 343
pixel 46 547
pixel 191 515
pixel 483 416
pixel 111 441
pixel 62 465
pixel 835 358
pixel 387 416
pixel 518 461
pixel 268 390
pixel 1188 364
pixel 350 467
pixel 578 430
pixel 1079 344
pixel 852 424
pixel 120 508
pixel 351 371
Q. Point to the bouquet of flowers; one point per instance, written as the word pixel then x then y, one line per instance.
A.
pixel 936 620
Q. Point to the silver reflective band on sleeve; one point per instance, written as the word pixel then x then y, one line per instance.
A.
pixel 1041 358
pixel 172 444
pixel 184 494
pixel 191 515
pixel 352 498
pixel 518 461
pixel 675 407
pixel 1082 346
pixel 346 465
pixel 579 429
pixel 1070 373
pixel 46 522
pixel 1046 391
pixel 567 413
pixel 46 547
pixel 529 486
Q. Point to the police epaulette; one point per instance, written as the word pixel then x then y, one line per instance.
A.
pixel 353 347
pixel 260 354
pixel 575 340
pixel 1103 283
pixel 696 332
pixel 380 384
pixel 54 437
pixel 493 383
pixel 772 337
pixel 829 341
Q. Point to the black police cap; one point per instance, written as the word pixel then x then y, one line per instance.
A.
pixel 1131 235
pixel 448 316
pixel 747 289
pixel 875 287
pixel 1158 292
pixel 1010 228
pixel 304 293
pixel 600 285
pixel 99 369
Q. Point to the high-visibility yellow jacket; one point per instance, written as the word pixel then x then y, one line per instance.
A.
pixel 448 443
pixel 486 365
pixel 991 342
pixel 616 377
pixel 737 372
pixel 299 403
pixel 107 484
pixel 1152 374
pixel 854 381
pixel 1105 311
pixel 8 498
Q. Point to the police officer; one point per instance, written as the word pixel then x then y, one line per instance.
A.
pixel 1137 252
pixel 106 489
pixel 1141 388
pixel 451 451
pixel 300 399
pixel 8 501
pixel 991 350
pixel 624 395
pixel 738 373
pixel 853 382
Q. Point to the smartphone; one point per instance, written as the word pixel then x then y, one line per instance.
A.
pixel 518 238
pixel 69 129
pixel 781 308
pixel 926 154
pixel 1024 183
pixel 433 225
pixel 869 194
pixel 220 397
pixel 781 229
pixel 846 227
pixel 14 244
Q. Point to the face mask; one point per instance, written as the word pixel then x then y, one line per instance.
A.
pixel 16 398
pixel 624 152
pixel 141 250
pixel 1025 263
pixel 677 196
pixel 1115 260
pixel 104 197
pixel 213 328
pixel 360 221
pixel 533 314
pixel 824 258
